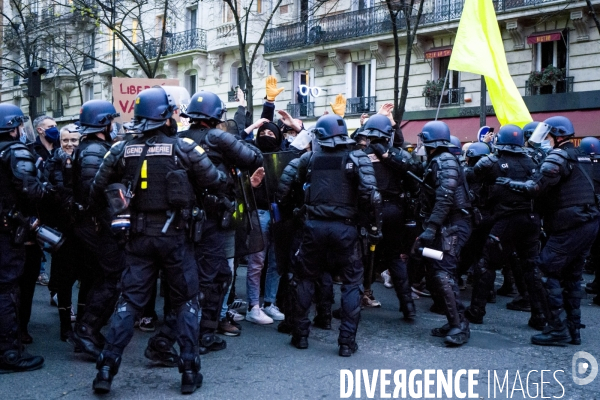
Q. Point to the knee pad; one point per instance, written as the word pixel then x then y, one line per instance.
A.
pixel 188 364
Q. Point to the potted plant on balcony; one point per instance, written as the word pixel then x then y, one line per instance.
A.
pixel 547 76
pixel 433 89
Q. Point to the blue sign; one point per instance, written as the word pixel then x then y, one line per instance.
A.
pixel 482 132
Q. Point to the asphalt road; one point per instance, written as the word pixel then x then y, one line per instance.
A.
pixel 261 364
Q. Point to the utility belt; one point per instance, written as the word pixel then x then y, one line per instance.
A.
pixel 347 221
pixel 157 223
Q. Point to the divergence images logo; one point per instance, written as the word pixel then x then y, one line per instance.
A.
pixel 581 367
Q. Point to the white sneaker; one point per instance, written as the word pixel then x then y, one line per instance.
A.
pixel 387 279
pixel 273 312
pixel 257 315
pixel 236 316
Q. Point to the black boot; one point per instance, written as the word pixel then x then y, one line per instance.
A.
pixel 160 349
pixel 87 340
pixel 519 304
pixel 108 366
pixel 458 336
pixel 322 321
pixel 284 327
pixel 459 333
pixel 399 276
pixel 347 345
pixel 211 342
pixel 18 360
pixel 441 331
pixel 574 332
pixel 300 342
pixel 191 378
pixel 556 333
pixel 507 288
pixel 482 289
pixel 66 330
pixel 407 308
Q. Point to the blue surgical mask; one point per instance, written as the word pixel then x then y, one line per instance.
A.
pixel 114 132
pixel 546 146
pixel 52 134
pixel 23 138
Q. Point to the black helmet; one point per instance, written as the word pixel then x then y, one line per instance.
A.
pixel 477 150
pixel 153 107
pixel 555 126
pixel 330 131
pixel 529 128
pixel 436 134
pixel 378 126
pixel 205 105
pixel 590 145
pixel 11 117
pixel 457 149
pixel 95 116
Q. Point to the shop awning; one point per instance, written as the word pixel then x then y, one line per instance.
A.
pixel 586 123
pixel 542 37
pixel 438 52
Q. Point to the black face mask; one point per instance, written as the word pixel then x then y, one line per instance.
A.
pixel 267 144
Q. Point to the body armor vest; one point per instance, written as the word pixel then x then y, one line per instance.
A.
pixel 88 157
pixel 8 197
pixel 388 182
pixel 576 189
pixel 152 187
pixel 331 184
pixel 518 167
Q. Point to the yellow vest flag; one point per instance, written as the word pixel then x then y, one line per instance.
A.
pixel 478 48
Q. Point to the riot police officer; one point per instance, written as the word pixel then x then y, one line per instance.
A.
pixel 390 165
pixel 338 182
pixel 206 111
pixel 19 190
pixel 159 173
pixel 514 236
pixel 92 226
pixel 571 221
pixel 447 226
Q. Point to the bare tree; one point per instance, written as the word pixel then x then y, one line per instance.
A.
pixel 24 34
pixel 128 23
pixel 403 10
pixel 251 28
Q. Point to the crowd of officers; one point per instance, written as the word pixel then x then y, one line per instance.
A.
pixel 116 212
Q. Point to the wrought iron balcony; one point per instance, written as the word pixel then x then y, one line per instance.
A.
pixel 370 21
pixel 451 97
pixel 360 105
pixel 173 43
pixel 301 110
pixel 564 86
pixel 58 113
pixel 366 22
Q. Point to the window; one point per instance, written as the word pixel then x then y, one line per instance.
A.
pixel 554 53
pixel 134 30
pixel 361 4
pixel 363 80
pixel 59 101
pixel 158 26
pixel 228 14
pixel 192 84
pixel 118 43
pixel 236 78
pixel 300 78
pixel 192 19
pixel 440 68
pixel 259 6
pixel 89 44
pixel 360 86
pixel 88 92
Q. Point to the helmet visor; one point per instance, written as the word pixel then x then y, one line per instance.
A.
pixel 26 131
pixel 179 99
pixel 539 134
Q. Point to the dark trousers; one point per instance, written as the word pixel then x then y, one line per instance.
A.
pixel 27 282
pixel 214 274
pixel 144 255
pixel 328 246
pixel 514 238
pixel 106 261
pixel 561 261
pixel 12 264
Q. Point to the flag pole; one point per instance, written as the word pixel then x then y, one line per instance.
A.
pixel 482 103
pixel 442 95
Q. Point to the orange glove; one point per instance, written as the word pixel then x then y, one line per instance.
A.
pixel 339 106
pixel 272 89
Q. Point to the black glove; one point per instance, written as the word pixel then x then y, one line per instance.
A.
pixel 374 237
pixel 428 236
pixel 379 150
pixel 503 181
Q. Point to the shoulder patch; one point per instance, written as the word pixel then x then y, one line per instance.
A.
pixel 373 158
pixel 188 140
pixel 199 149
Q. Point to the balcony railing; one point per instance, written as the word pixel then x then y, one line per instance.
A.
pixel 367 22
pixel 301 110
pixel 60 112
pixel 564 86
pixel 173 43
pixel 451 97
pixel 360 105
